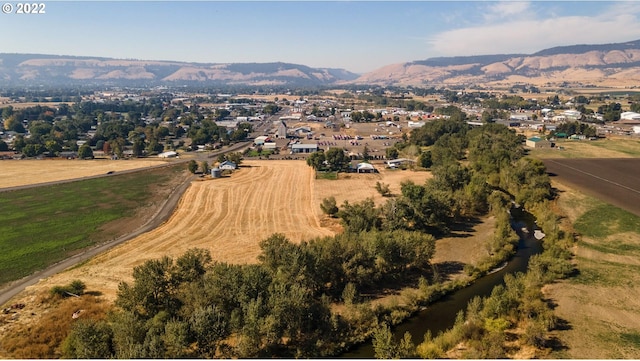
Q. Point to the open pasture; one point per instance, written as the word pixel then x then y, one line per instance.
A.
pixel 615 181
pixel 14 173
pixel 600 304
pixel 601 148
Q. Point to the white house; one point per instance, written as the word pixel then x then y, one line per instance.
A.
pixel 572 114
pixel 227 164
pixel 170 154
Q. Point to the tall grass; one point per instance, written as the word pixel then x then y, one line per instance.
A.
pixel 41 340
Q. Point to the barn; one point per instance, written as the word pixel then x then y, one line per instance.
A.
pixel 304 148
pixel 537 142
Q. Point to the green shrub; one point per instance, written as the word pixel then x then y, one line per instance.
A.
pixel 75 288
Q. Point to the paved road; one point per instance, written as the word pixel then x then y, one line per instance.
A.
pixel 163 213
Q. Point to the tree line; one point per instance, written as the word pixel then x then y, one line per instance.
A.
pixel 145 127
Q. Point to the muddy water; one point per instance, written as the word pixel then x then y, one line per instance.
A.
pixel 441 315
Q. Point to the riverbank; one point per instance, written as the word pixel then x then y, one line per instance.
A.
pixel 452 295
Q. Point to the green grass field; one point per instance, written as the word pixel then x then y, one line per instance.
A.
pixel 625 146
pixel 603 293
pixel 603 220
pixel 326 175
pixel 44 225
pixel 602 148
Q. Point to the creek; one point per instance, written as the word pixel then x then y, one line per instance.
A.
pixel 441 315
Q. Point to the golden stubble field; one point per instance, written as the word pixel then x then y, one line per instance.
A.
pixel 15 173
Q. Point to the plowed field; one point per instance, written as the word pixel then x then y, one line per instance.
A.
pixel 616 181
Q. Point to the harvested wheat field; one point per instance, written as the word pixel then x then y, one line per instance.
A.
pixel 22 172
pixel 230 216
pixel 356 187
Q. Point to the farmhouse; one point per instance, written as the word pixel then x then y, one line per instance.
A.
pixel 537 142
pixel 227 165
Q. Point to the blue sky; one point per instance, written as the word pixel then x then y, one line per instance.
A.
pixel 359 36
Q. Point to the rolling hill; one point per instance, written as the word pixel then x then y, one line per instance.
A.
pixel 586 65
pixel 28 69
pixel 601 65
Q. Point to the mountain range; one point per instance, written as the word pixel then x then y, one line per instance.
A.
pixel 588 65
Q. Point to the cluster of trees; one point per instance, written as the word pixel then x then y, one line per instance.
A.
pixel 576 127
pixel 207 131
pixel 512 102
pixel 190 307
pixel 610 112
pixel 146 127
pixel 429 133
pixel 334 159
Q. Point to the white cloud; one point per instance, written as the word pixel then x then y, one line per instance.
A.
pixel 516 34
pixel 507 9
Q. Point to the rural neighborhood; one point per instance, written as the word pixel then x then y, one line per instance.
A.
pixel 463 207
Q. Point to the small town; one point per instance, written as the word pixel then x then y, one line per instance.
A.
pixel 320 180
